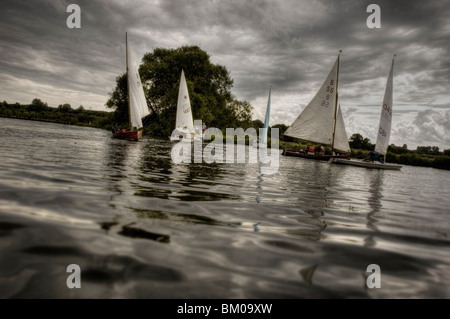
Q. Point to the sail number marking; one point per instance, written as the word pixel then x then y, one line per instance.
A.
pixel 387 109
pixel 330 89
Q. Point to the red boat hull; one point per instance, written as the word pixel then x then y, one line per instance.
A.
pixel 128 135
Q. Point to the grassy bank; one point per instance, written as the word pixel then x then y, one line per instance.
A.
pixel 411 158
pixel 64 114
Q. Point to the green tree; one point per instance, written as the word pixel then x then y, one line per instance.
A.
pixel 357 141
pixel 118 100
pixel 209 87
pixel 38 106
pixel 64 108
pixel 429 150
pixel 398 149
pixel 238 114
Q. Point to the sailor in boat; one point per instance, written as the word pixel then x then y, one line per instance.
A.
pixel 372 156
pixel 309 150
pixel 318 150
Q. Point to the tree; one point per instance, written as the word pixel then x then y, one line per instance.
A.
pixel 447 152
pixel 64 108
pixel 429 150
pixel 281 129
pixel 435 150
pixel 38 106
pixel 357 141
pixel 238 114
pixel 257 124
pixel 118 100
pixel 209 87
pixel 398 149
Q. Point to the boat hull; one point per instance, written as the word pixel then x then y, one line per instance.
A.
pixel 374 165
pixel 128 135
pixel 320 157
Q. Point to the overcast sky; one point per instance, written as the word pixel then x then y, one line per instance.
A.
pixel 288 44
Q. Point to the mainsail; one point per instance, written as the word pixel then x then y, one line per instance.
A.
pixel 184 118
pixel 266 121
pixel 137 103
pixel 316 122
pixel 384 129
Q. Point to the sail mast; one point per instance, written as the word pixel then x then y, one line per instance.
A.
pixel 128 83
pixel 335 102
pixel 266 120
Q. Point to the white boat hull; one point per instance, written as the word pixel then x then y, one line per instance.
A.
pixel 376 165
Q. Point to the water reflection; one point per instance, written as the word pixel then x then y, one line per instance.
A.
pixel 374 202
pixel 135 232
pixel 160 177
pixel 259 185
pixel 307 273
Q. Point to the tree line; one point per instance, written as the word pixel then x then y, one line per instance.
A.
pixel 64 113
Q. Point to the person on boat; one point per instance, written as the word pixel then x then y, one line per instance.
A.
pixel 372 156
pixel 318 150
pixel 203 128
pixel 115 128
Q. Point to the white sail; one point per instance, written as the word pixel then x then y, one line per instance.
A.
pixel 340 138
pixel 384 129
pixel 184 120
pixel 316 122
pixel 266 121
pixel 138 104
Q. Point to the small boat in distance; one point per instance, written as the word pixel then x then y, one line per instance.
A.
pixel 184 125
pixel 384 132
pixel 137 104
pixel 321 122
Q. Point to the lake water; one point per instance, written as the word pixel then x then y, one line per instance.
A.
pixel 140 226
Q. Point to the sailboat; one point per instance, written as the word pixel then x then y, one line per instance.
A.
pixel 137 105
pixel 266 123
pixel 384 132
pixel 184 125
pixel 321 122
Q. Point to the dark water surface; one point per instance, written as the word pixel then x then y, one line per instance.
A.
pixel 140 226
